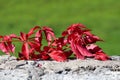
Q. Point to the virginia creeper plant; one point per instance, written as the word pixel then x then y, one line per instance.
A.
pixel 76 40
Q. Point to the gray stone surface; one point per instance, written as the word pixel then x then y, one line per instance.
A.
pixel 89 69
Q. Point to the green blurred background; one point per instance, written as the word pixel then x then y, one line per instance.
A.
pixel 101 16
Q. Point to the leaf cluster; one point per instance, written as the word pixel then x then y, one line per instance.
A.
pixel 76 40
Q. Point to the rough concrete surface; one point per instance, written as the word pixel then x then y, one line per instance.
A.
pixel 89 69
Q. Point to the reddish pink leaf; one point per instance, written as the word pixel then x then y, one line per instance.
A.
pixel 13 36
pixel 11 47
pixel 80 51
pixel 94 48
pixel 83 51
pixel 4 48
pixel 97 51
pixel 25 50
pixel 58 56
pixel 6 44
pixel 101 56
pixel 32 30
pixel 7 47
pixel 79 28
pixel 23 36
pixel 44 55
pixel 38 36
pixel 90 38
pixel 64 33
pixel 49 34
pixel 35 45
pixel 32 55
pixel 76 51
pixel 59 42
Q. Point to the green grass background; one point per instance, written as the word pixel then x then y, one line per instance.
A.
pixel 101 16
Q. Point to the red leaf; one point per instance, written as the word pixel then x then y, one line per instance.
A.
pixel 35 45
pixel 6 44
pixel 64 33
pixel 38 36
pixel 49 34
pixel 83 51
pixel 90 38
pixel 13 36
pixel 23 36
pixel 44 55
pixel 78 47
pixel 60 42
pixel 11 47
pixel 32 30
pixel 32 55
pixel 58 56
pixel 76 51
pixel 97 52
pixel 101 56
pixel 94 48
pixel 25 50
pixel 79 28
pixel 7 48
pixel 4 48
pixel 68 53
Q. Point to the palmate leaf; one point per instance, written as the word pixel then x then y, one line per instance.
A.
pixel 6 45
pixel 79 38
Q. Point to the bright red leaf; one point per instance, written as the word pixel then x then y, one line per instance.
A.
pixel 35 45
pixel 6 45
pixel 49 34
pixel 25 50
pixel 58 55
pixel 38 36
pixel 32 30
pixel 101 56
